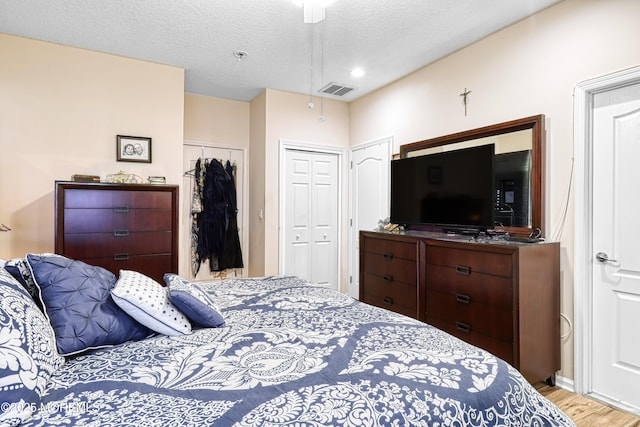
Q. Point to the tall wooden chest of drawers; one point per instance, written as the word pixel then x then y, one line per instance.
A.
pixel 388 271
pixel 500 296
pixel 119 226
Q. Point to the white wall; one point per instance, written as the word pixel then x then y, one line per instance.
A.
pixel 529 68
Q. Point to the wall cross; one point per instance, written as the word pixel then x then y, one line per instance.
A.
pixel 464 96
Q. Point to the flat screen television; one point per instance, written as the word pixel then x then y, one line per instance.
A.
pixel 451 190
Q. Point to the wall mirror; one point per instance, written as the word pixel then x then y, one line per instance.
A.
pixel 519 168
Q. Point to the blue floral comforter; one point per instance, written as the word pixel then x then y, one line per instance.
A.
pixel 294 354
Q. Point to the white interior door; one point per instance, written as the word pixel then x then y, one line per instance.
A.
pixel 370 166
pixel 192 151
pixel 616 258
pixel 298 221
pixel 310 199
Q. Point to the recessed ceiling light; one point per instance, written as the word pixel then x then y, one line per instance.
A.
pixel 357 72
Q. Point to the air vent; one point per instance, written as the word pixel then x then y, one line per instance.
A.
pixel 336 89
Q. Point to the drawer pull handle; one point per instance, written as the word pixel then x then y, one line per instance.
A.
pixel 120 233
pixel 463 327
pixel 465 299
pixel 388 277
pixel 388 300
pixel 388 256
pixel 121 209
pixel 463 269
pixel 120 257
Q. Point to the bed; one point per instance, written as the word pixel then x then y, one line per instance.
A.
pixel 270 351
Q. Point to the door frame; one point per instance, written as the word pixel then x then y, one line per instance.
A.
pixel 351 270
pixel 583 222
pixel 284 146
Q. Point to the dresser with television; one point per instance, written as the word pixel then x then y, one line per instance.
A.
pixel 471 259
pixel 502 296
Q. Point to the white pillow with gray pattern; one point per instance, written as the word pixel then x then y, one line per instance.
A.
pixel 147 301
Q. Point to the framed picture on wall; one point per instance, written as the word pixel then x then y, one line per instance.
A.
pixel 133 149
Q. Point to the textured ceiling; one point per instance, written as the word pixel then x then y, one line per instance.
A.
pixel 387 38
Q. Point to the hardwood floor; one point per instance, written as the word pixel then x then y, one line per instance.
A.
pixel 587 412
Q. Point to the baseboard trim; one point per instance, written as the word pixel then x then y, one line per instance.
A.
pixel 565 383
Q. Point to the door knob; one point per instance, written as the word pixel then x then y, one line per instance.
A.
pixel 603 257
pixel 325 236
pixel 297 237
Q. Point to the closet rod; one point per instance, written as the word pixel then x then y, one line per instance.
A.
pixel 190 172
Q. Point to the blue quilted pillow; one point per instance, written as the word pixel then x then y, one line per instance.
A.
pixel 28 355
pixel 77 300
pixel 191 300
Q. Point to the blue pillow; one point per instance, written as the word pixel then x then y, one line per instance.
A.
pixel 19 269
pixel 28 355
pixel 77 301
pixel 191 300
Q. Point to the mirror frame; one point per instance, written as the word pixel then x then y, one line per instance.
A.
pixel 536 124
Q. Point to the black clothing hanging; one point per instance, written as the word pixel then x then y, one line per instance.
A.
pixel 232 256
pixel 217 227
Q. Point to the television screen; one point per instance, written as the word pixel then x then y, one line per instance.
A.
pixel 450 189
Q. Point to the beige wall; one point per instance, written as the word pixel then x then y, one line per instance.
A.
pixel 62 107
pixel 216 120
pixel 213 122
pixel 257 187
pixel 526 69
pixel 286 117
pixel 60 111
